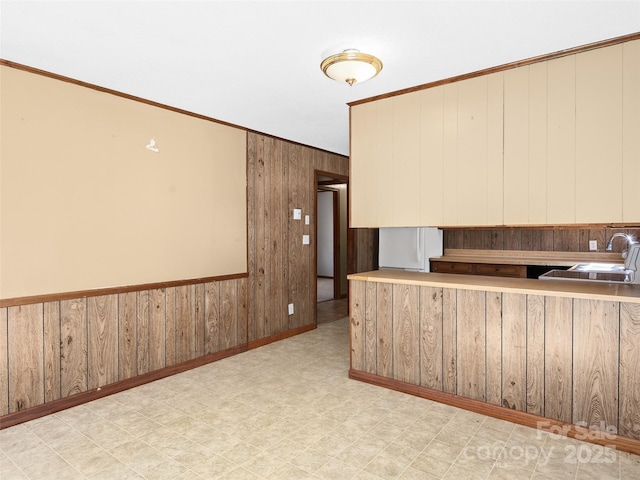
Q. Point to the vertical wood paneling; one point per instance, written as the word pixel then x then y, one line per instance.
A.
pixel 157 328
pixel 471 338
pixel 212 317
pixel 558 358
pixel 537 142
pixel 370 328
pixel 535 354
pixel 102 341
pixel 629 423
pixel 142 332
pixel 406 333
pixel 242 303
pixel 363 154
pixel 278 242
pixel 357 309
pixel 4 363
pixel 185 323
pixel 51 351
pixel 257 214
pixel 73 346
pixel 170 327
pixel 514 349
pixel 199 320
pixel 450 152
pixel 228 315
pixel 127 335
pixel 26 366
pixel 431 337
pixel 595 369
pixel 449 335
pixel 494 348
pixel 431 156
pixel 384 329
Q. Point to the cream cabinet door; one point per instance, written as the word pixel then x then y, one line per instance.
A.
pixel 561 142
pixel 599 135
pixel 431 156
pixel 363 168
pixel 631 132
pixel 525 144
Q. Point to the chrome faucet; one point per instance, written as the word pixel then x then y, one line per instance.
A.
pixel 626 236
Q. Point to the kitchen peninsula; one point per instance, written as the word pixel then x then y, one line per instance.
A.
pixel 548 354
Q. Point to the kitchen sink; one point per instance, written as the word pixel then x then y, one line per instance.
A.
pixel 598 267
pixel 611 276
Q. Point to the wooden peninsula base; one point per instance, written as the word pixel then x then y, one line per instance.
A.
pixel 556 355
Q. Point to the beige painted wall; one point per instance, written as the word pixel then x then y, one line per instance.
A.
pixel 83 203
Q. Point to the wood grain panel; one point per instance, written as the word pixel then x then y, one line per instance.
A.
pixel 535 354
pixel 260 318
pixel 242 304
pixel 185 323
pixel 51 351
pixel 157 328
pixel 212 317
pixel 431 156
pixel 127 335
pixel 450 153
pixel 383 195
pixel 228 315
pixel 26 362
pixel 471 338
pixel 406 333
pixel 537 143
pixel 170 326
pixel 199 339
pixel 370 328
pixel 431 337
pixel 449 335
pixel 629 423
pixel 384 329
pixel 494 348
pixel 4 363
pixel 357 322
pixel 142 332
pixel 514 348
pixel 73 346
pixel 278 208
pixel 558 358
pixel 595 369
pixel 102 341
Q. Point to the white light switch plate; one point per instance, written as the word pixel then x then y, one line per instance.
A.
pixel 291 309
pixel 307 220
pixel 305 240
pixel 297 213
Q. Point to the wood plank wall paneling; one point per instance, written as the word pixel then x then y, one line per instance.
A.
pixel 549 240
pixel 558 364
pixel 54 350
pixel 281 177
pixel 595 369
pixel 570 360
pixel 4 363
pixel 629 371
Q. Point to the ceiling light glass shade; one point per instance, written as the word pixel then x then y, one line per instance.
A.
pixel 351 66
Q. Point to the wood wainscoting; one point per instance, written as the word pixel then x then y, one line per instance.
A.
pixel 573 361
pixel 65 352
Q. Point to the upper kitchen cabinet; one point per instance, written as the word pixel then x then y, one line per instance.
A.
pixel 552 142
pixel 630 129
pixel 599 135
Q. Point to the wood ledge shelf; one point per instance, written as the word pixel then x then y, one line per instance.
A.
pixel 526 257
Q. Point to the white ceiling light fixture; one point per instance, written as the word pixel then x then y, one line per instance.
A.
pixel 351 66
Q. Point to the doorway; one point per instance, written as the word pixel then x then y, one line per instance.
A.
pixel 332 245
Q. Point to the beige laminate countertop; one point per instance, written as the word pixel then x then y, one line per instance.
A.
pixel 611 292
pixel 527 257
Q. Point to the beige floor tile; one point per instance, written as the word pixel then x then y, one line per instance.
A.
pixel 385 468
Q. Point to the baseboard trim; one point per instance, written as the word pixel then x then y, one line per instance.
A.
pixel 54 406
pixel 598 437
pixel 281 336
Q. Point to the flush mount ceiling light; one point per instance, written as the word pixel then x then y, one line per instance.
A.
pixel 351 66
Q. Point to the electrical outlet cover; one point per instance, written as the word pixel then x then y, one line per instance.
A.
pixel 593 245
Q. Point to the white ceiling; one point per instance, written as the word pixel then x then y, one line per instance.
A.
pixel 256 63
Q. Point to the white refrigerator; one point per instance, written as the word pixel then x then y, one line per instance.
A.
pixel 409 248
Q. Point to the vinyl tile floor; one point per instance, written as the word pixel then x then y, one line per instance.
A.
pixel 288 411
